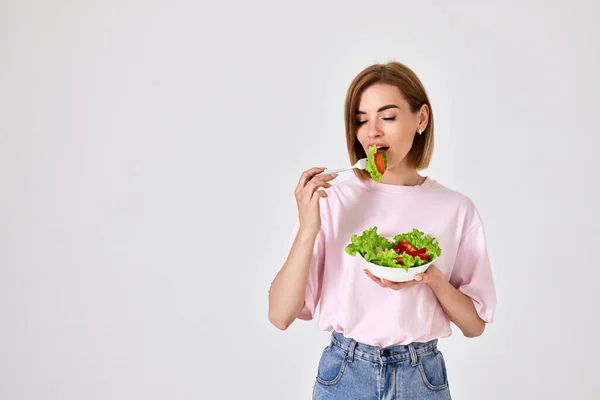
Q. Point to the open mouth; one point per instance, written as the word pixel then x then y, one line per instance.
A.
pixel 383 149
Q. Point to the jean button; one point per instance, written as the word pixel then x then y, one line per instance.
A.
pixel 385 353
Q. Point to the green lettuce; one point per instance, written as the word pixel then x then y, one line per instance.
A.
pixel 373 248
pixel 380 250
pixel 371 167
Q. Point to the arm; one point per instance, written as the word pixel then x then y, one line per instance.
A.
pixel 471 307
pixel 288 289
pixel 286 296
pixel 458 306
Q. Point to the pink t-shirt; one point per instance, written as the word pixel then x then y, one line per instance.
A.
pixel 352 304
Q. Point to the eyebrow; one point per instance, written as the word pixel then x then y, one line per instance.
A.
pixel 380 109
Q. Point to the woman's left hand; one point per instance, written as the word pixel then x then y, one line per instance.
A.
pixel 429 276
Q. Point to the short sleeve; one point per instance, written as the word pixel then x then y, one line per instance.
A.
pixel 315 275
pixel 472 273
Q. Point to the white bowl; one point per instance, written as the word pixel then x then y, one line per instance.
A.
pixel 397 274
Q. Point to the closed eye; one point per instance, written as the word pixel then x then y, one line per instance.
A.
pixel 359 123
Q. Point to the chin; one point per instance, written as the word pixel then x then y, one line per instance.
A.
pixel 394 161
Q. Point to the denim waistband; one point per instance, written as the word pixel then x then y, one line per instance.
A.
pixel 391 354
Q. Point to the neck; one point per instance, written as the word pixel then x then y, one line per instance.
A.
pixel 402 175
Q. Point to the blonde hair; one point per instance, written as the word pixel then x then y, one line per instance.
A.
pixel 399 75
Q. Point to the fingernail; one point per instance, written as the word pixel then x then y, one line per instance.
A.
pixel 418 278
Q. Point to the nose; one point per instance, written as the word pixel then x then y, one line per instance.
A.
pixel 374 130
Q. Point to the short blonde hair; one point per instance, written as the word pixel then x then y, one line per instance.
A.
pixel 399 75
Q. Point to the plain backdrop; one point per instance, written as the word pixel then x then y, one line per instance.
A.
pixel 148 156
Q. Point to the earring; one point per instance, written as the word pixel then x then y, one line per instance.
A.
pixel 420 131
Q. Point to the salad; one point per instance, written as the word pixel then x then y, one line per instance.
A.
pixel 405 250
pixel 376 163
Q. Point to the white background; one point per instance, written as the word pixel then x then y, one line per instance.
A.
pixel 148 154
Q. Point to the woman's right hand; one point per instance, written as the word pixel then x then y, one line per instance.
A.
pixel 307 194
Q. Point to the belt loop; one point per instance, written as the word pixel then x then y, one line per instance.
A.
pixel 414 361
pixel 350 356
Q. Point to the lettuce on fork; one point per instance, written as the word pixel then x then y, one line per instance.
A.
pixel 393 253
pixel 376 163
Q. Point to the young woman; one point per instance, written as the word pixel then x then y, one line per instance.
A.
pixel 384 334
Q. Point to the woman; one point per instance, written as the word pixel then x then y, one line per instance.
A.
pixel 384 334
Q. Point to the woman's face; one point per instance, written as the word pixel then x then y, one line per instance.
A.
pixel 384 119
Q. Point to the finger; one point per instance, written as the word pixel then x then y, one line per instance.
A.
pixel 307 175
pixel 312 186
pixel 389 284
pixel 314 194
pixel 324 185
pixel 317 195
pixel 327 177
pixel 321 179
pixel 401 285
pixel 309 188
pixel 373 277
pixel 369 274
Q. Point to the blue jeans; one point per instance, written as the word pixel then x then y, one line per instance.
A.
pixel 352 370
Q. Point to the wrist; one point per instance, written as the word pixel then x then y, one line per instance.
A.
pixel 436 277
pixel 307 233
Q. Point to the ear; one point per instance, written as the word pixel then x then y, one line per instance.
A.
pixel 423 117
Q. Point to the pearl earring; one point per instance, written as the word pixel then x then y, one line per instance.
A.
pixel 420 132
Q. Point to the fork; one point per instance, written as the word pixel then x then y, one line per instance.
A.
pixel 360 164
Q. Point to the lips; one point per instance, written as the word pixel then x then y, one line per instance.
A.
pixel 381 147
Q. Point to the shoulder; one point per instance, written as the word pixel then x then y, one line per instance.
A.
pixel 344 190
pixel 348 186
pixel 340 194
pixel 462 203
pixel 452 195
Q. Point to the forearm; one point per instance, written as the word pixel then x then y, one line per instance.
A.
pixel 458 306
pixel 287 293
